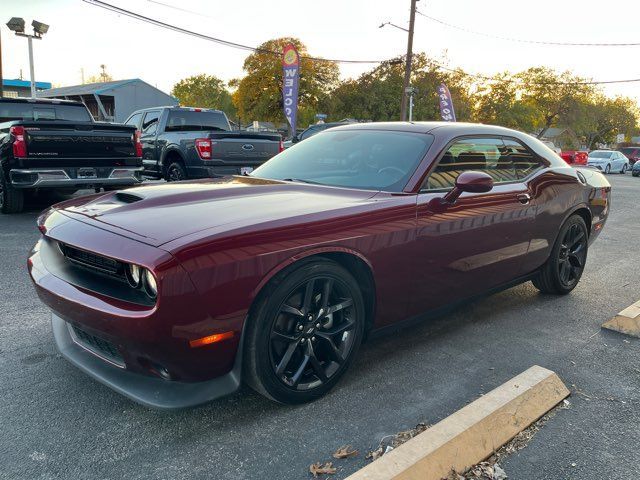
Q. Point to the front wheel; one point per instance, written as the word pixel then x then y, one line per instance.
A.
pixel 635 173
pixel 304 333
pixel 562 271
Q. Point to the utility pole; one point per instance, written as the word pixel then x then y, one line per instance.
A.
pixel 407 69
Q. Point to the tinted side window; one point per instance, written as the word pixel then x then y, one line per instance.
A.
pixel 309 132
pixel 134 120
pixel 524 161
pixel 150 123
pixel 487 155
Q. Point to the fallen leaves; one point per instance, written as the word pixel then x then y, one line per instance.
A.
pixel 320 469
pixel 345 452
pixel 396 440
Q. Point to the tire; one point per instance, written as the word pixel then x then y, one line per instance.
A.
pixel 563 269
pixel 175 172
pixel 11 199
pixel 293 353
pixel 624 169
pixel 635 173
pixel 607 169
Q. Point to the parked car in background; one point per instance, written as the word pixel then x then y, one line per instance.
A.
pixel 314 130
pixel 635 170
pixel 174 294
pixel 608 161
pixel 180 143
pixel 632 153
pixel 575 157
pixel 56 145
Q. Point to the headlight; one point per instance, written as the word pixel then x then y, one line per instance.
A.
pixel 150 284
pixel 134 275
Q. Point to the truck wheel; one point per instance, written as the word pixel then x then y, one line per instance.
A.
pixel 175 172
pixel 11 199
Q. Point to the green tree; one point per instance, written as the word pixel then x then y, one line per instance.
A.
pixel 376 94
pixel 601 119
pixel 258 94
pixel 205 91
pixel 498 103
pixel 553 96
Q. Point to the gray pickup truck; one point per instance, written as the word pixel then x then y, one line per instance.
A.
pixel 180 143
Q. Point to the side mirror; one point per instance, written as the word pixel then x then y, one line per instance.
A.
pixel 295 139
pixel 472 182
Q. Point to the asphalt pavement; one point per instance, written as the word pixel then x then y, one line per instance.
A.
pixel 57 423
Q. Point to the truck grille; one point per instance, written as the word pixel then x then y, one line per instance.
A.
pixel 91 260
pixel 96 345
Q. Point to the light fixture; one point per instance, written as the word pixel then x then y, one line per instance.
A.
pixel 150 283
pixel 39 28
pixel 16 24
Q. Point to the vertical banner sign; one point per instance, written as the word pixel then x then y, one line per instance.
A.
pixel 291 74
pixel 446 104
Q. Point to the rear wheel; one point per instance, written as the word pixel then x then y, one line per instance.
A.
pixel 562 271
pixel 176 172
pixel 624 169
pixel 11 199
pixel 304 333
pixel 607 169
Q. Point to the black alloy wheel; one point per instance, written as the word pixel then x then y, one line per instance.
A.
pixel 309 328
pixel 563 270
pixel 175 172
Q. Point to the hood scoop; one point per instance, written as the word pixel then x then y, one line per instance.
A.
pixel 125 197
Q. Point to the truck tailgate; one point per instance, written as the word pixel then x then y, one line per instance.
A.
pixel 244 148
pixel 50 141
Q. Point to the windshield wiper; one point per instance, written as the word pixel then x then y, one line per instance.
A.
pixel 300 180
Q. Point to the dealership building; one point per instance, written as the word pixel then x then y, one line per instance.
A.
pixel 113 101
pixel 21 88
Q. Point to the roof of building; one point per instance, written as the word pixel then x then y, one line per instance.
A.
pixel 91 88
pixel 16 82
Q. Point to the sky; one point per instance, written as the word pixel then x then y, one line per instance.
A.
pixel 83 36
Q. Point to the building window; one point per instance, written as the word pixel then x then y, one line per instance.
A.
pixel 10 93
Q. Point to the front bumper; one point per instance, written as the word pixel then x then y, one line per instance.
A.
pixel 141 351
pixel 75 177
pixel 149 391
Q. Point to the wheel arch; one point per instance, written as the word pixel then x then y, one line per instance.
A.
pixel 356 263
pixel 170 155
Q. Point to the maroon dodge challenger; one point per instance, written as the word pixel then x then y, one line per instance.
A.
pixel 174 294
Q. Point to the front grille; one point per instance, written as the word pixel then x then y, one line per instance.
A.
pixel 98 346
pixel 91 260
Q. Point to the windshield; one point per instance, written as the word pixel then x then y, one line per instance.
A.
pixel 600 154
pixel 363 159
pixel 628 150
pixel 187 120
pixel 39 111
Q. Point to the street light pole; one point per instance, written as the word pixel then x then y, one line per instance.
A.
pixel 16 25
pixel 31 70
pixel 407 69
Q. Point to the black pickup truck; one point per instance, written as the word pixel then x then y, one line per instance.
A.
pixel 56 145
pixel 180 143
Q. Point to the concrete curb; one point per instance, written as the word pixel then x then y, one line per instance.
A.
pixel 627 321
pixel 474 432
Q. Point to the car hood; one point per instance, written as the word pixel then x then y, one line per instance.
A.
pixel 157 214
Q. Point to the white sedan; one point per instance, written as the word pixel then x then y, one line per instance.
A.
pixel 608 161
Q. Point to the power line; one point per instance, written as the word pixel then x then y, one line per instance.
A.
pixel 521 40
pixel 137 16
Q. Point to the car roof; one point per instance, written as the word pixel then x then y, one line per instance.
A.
pixel 446 128
pixel 177 108
pixel 45 101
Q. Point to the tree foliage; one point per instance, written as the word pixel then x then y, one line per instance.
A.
pixel 205 91
pixel 258 94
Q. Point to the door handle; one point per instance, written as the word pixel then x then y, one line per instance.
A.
pixel 524 198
